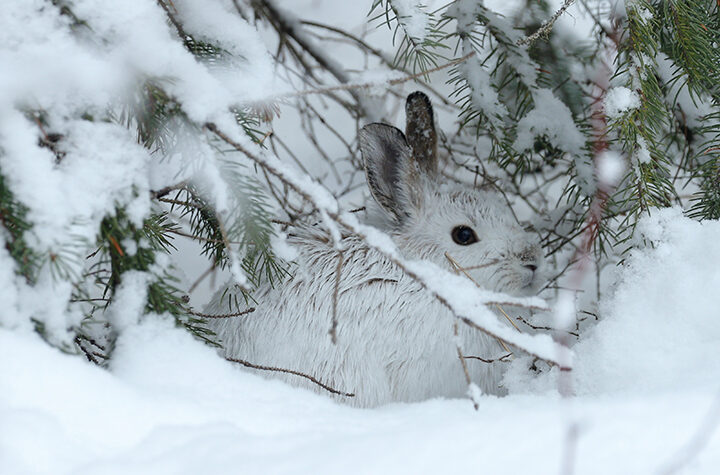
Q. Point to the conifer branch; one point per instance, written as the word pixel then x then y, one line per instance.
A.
pixel 545 28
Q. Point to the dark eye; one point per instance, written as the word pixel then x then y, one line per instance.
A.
pixel 463 235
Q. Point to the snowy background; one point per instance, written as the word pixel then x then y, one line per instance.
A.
pixel 646 377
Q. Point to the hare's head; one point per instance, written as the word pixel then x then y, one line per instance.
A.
pixel 470 230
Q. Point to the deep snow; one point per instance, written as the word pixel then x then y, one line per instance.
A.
pixel 646 380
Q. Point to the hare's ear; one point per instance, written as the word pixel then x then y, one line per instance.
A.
pixel 420 132
pixel 388 168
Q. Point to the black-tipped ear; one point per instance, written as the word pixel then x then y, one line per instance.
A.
pixel 388 168
pixel 420 132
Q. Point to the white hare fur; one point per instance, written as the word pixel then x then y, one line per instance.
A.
pixel 395 341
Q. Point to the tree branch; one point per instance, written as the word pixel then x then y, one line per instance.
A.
pixel 547 26
pixel 247 364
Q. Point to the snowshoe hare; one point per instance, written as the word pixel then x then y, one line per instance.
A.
pixel 395 342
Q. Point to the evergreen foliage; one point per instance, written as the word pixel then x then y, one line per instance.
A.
pixel 663 52
pixel 13 226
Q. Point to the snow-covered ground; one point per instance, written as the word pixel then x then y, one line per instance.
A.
pixel 646 378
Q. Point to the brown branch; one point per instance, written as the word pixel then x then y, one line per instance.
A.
pixel 164 191
pixel 293 30
pixel 223 315
pixel 503 358
pixel 550 329
pixel 167 5
pixel 247 364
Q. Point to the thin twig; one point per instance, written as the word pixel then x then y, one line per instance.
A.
pixel 202 277
pixel 550 329
pixel 367 85
pixel 290 371
pixel 166 5
pixel 204 239
pixel 293 29
pixel 223 315
pixel 164 191
pixel 503 358
pixel 181 203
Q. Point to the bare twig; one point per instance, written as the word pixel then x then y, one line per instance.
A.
pixel 222 315
pixel 545 328
pixel 202 277
pixel 247 364
pixel 188 203
pixel 164 191
pixel 504 358
pixel 391 82
pixel 204 239
pixel 294 30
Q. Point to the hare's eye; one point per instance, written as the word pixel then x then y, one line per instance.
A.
pixel 463 235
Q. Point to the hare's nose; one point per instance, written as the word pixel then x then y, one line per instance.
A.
pixel 532 267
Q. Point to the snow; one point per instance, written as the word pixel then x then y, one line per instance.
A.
pixel 693 109
pixel 129 300
pixel 610 168
pixel 664 303
pixel 412 17
pixel 619 100
pixel 645 379
pixel 282 248
pixel 483 96
pixel 552 119
pixel 640 9
pixel 642 154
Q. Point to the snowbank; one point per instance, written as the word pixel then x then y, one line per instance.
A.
pixel 645 378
